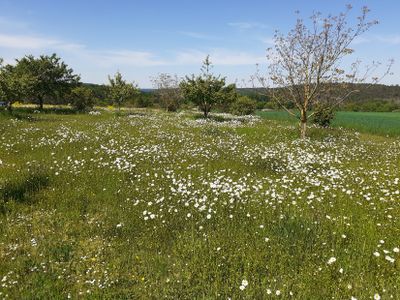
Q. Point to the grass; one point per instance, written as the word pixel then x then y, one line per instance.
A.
pixel 154 205
pixel 378 123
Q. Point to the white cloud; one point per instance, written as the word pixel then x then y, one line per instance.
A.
pixel 393 39
pixel 31 43
pixel 267 40
pixel 123 57
pixel 248 25
pixel 223 57
pixel 197 35
pixel 12 24
pixel 389 39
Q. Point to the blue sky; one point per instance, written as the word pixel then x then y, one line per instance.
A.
pixel 142 38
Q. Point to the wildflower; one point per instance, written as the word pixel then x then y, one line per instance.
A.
pixel 331 260
pixel 376 253
pixel 389 259
pixel 396 250
pixel 377 297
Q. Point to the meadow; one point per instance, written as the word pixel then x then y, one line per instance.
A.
pixel 379 123
pixel 153 205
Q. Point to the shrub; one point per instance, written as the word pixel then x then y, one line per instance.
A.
pixel 323 115
pixel 82 98
pixel 243 106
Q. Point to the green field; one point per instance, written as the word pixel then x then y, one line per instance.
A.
pixel 385 123
pixel 150 205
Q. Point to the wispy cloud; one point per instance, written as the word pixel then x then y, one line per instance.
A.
pixel 12 24
pixel 116 58
pixel 198 35
pixel 393 39
pixel 267 40
pixel 248 25
pixel 389 39
pixel 28 43
pixel 224 57
pixel 123 57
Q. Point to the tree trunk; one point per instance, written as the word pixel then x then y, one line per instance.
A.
pixel 40 103
pixel 303 124
pixel 206 109
pixel 9 106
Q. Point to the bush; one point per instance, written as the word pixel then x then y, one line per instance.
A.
pixel 323 115
pixel 82 98
pixel 243 106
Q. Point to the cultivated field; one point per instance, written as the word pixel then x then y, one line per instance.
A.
pixel 151 205
pixel 380 123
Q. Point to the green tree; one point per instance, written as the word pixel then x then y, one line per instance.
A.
pixel 205 90
pixel 243 106
pixel 119 90
pixel 48 76
pixel 13 85
pixel 82 98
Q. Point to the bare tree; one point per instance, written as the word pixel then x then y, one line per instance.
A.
pixel 308 64
pixel 168 91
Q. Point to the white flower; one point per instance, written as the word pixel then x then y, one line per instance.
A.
pixel 331 260
pixel 245 282
pixel 377 297
pixel 266 239
pixel 376 253
pixel 390 259
pixel 242 287
pixel 278 292
pixel 208 216
pixel 119 225
pixel 396 250
pixel 269 292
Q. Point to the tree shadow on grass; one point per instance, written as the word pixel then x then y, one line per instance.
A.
pixel 23 189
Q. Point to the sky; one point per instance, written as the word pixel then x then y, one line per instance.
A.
pixel 143 38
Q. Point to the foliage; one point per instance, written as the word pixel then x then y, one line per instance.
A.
pixel 323 114
pixel 243 106
pixel 306 64
pixel 13 85
pixel 168 91
pixel 48 76
pixel 120 90
pixel 207 90
pixel 82 98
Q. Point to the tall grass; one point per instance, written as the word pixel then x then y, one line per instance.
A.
pixel 155 205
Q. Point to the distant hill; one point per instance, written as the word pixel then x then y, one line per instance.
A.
pixel 378 97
